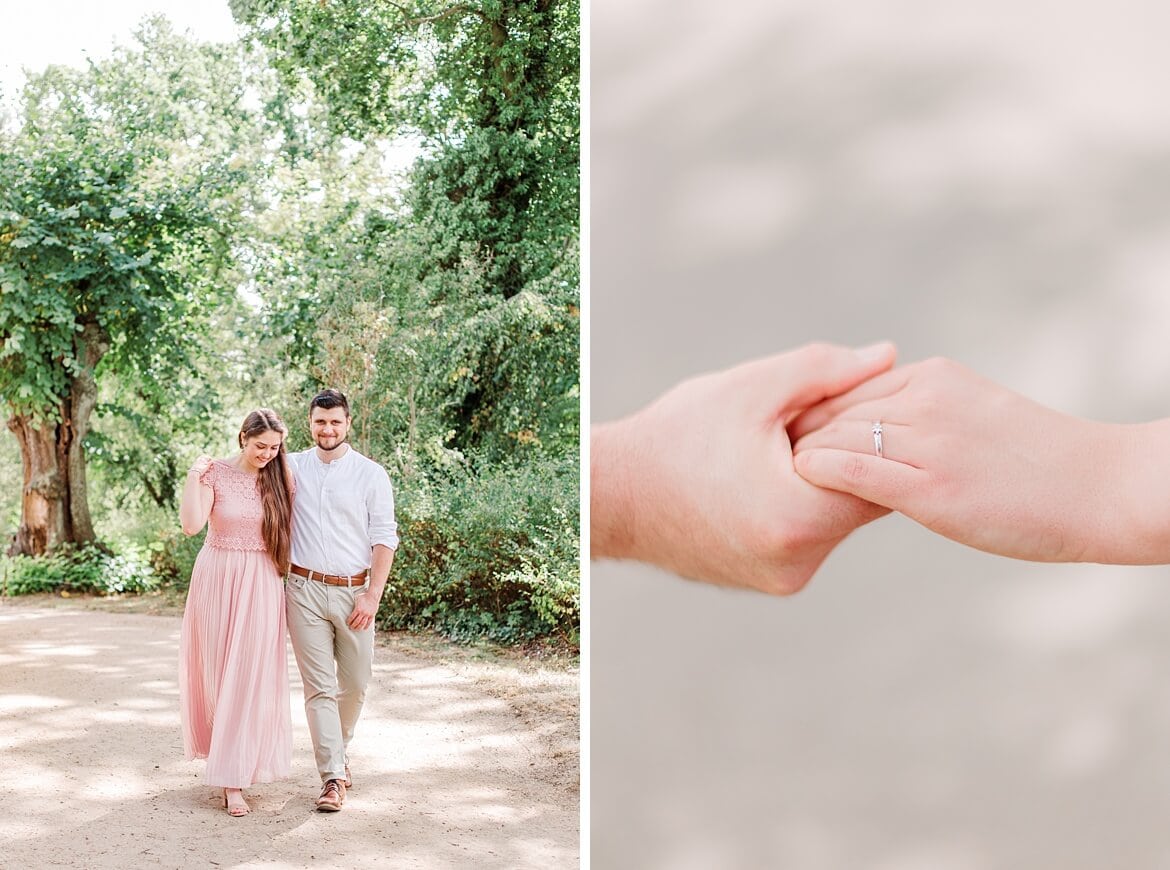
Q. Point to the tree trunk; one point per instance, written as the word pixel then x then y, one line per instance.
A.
pixel 54 507
pixel 89 346
pixel 44 509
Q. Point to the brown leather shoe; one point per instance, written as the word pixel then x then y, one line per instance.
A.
pixel 332 796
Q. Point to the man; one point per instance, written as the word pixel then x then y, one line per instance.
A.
pixel 343 541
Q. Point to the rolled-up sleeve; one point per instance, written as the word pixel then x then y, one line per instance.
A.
pixel 380 505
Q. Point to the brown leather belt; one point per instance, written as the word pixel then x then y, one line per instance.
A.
pixel 329 579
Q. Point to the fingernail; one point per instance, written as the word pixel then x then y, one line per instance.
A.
pixel 873 352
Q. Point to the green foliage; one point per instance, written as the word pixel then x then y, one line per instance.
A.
pixel 83 569
pixel 10 486
pixel 495 554
pixel 143 440
pixel 449 313
pixel 139 195
pixel 115 196
pixel 172 555
pixel 491 212
pixel 436 71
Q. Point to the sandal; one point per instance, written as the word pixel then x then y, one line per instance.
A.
pixel 233 808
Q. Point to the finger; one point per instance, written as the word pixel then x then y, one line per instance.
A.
pixel 880 387
pixel 877 480
pixel 858 436
pixel 812 373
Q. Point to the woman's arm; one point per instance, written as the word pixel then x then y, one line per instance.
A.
pixel 197 498
pixel 987 467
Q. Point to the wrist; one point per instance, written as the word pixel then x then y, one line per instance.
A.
pixel 611 498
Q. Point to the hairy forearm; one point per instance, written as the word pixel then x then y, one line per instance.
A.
pixel 381 560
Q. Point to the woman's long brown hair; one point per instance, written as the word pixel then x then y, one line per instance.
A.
pixel 272 481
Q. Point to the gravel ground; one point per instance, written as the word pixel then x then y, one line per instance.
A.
pixel 461 758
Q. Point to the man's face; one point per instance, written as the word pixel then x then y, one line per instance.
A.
pixel 329 426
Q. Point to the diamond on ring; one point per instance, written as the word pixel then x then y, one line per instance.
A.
pixel 877 437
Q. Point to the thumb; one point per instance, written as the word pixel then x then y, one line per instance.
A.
pixel 872 478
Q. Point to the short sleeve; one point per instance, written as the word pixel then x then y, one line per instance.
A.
pixel 210 474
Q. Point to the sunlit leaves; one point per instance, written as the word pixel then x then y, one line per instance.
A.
pixel 118 194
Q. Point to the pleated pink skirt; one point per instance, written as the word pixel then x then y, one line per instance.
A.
pixel 233 669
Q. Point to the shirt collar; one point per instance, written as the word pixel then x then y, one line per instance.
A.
pixel 342 458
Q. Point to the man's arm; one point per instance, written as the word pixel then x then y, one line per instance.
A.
pixel 365 604
pixel 383 531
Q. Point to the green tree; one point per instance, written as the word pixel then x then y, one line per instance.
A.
pixel 449 312
pixel 119 192
pixel 481 259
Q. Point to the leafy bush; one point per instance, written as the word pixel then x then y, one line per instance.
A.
pixel 82 569
pixel 493 555
pixel 173 555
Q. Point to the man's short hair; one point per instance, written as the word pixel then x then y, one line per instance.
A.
pixel 329 399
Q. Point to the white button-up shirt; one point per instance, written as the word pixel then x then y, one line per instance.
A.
pixel 341 510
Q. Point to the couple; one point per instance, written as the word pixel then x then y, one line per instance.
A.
pixel 304 540
pixel 751 476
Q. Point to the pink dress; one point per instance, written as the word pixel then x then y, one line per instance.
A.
pixel 233 668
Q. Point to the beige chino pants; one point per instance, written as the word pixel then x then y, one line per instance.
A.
pixel 335 663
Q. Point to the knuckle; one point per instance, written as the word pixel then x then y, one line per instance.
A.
pixel 855 470
pixel 774 542
pixel 784 582
pixel 940 368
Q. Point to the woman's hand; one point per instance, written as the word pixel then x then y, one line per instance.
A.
pixel 989 468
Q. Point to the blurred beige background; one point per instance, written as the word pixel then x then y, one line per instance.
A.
pixel 989 182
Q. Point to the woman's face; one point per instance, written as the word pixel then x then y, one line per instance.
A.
pixel 261 449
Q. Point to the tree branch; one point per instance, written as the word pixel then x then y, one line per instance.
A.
pixel 438 16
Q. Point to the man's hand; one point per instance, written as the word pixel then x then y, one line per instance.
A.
pixel 701 481
pixel 365 608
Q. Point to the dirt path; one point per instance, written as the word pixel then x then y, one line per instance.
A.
pixel 456 763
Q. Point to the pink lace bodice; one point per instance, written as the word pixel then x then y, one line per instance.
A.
pixel 237 512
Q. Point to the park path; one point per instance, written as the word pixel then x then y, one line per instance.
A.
pixel 456 764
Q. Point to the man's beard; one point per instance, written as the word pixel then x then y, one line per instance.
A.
pixel 330 449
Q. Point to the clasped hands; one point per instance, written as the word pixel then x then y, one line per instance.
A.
pixel 751 476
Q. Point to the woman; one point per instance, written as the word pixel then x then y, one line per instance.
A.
pixel 233 672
